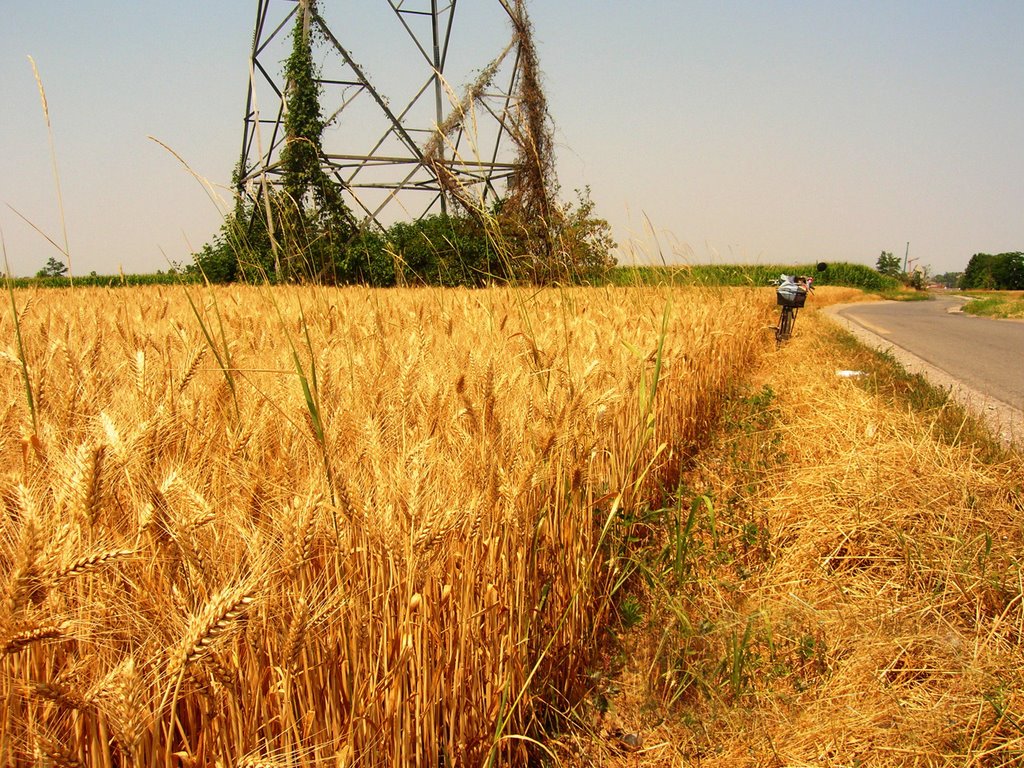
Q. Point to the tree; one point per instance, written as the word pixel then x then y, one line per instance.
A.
pixel 978 274
pixel 1008 271
pixel 53 268
pixel 888 264
pixel 948 279
pixel 999 272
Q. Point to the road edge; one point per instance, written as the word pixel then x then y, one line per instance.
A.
pixel 1005 421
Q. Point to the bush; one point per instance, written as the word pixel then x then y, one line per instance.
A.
pixel 584 240
pixel 366 261
pixel 444 250
pixel 217 262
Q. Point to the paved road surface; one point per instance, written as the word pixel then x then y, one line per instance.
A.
pixel 984 356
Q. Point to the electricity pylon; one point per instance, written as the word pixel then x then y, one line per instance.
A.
pixel 412 121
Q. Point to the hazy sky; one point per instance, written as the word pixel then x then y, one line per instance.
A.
pixel 743 131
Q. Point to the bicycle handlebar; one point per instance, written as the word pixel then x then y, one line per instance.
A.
pixel 804 280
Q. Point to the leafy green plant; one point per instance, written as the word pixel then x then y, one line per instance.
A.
pixel 310 391
pixel 739 658
pixel 313 218
pixel 221 349
pixel 630 611
pixel 681 537
pixel 125 280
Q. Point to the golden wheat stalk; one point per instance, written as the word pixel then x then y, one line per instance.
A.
pixel 191 367
pixel 26 582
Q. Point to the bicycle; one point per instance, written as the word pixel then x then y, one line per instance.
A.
pixel 791 295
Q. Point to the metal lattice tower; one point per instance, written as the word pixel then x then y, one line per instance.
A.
pixel 411 120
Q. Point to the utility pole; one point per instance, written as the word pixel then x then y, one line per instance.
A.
pixel 438 88
pixel 905 257
pixel 375 141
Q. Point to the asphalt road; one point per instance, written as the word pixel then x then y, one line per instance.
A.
pixel 982 355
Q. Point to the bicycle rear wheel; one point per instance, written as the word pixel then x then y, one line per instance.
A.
pixel 786 320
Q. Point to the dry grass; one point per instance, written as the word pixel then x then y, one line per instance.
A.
pixel 305 527
pixel 854 593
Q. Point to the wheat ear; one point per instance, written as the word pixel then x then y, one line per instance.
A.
pixel 53 753
pixel 59 694
pixel 298 543
pixel 22 640
pixel 91 483
pixel 219 616
pixel 296 635
pixel 191 367
pixel 123 692
pixel 25 579
pixel 91 563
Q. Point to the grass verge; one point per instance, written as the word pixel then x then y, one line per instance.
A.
pixel 906 294
pixel 838 582
pixel 1001 304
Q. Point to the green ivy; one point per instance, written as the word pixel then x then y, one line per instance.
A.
pixel 314 221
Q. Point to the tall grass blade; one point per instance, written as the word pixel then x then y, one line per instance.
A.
pixel 17 332
pixel 310 393
pixel 222 355
pixel 66 250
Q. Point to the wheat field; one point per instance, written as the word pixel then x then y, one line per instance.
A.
pixel 302 526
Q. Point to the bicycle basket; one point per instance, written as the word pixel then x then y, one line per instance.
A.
pixel 789 299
